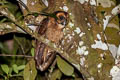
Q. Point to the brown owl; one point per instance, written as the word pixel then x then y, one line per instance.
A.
pixel 52 29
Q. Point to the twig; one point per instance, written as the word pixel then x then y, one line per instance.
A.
pixel 10 55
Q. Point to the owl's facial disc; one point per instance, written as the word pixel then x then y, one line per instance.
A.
pixel 62 21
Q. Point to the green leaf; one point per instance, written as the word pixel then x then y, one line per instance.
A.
pixel 30 71
pixel 56 75
pixel 66 68
pixel 32 51
pixel 3 20
pixel 5 68
pixel 10 71
pixel 15 69
pixel 21 67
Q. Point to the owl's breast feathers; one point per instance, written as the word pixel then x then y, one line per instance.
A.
pixel 50 29
pixel 53 32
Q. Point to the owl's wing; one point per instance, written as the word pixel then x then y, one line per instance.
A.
pixel 39 45
pixel 43 26
pixel 43 56
pixel 39 52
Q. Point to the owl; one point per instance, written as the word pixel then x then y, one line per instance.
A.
pixel 52 29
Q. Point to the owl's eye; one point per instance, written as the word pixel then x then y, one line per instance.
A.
pixel 61 17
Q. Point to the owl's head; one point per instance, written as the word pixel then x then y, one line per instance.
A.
pixel 61 18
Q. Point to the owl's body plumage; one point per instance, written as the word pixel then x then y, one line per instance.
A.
pixel 52 29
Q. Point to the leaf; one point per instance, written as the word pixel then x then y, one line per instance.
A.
pixel 10 71
pixel 32 51
pixel 3 20
pixel 30 71
pixel 66 68
pixel 5 68
pixel 15 69
pixel 21 67
pixel 56 75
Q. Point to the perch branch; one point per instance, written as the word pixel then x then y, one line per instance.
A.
pixel 9 27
